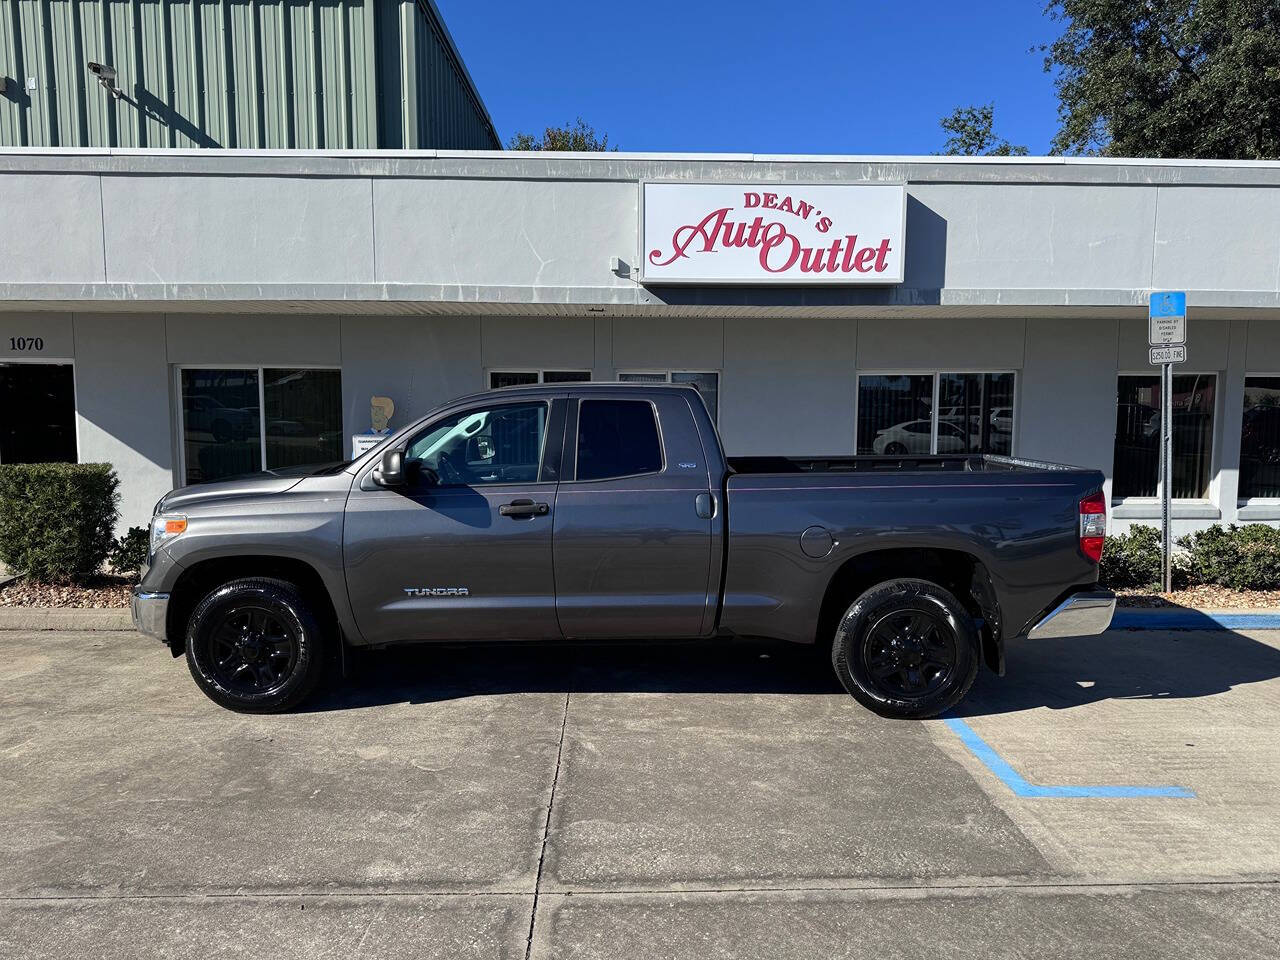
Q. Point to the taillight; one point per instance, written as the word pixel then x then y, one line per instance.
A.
pixel 1093 525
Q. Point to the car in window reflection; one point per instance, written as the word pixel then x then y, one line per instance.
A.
pixel 205 414
pixel 913 436
pixel 289 428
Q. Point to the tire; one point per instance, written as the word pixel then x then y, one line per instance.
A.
pixel 221 431
pixel 256 646
pixel 895 449
pixel 906 649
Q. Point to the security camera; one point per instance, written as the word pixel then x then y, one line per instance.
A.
pixel 106 76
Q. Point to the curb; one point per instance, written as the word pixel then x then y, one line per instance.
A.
pixel 1188 618
pixel 65 618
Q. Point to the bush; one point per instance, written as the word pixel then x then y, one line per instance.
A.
pixel 1242 558
pixel 57 519
pixel 1131 560
pixel 129 553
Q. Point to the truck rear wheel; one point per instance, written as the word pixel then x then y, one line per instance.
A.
pixel 906 649
pixel 255 646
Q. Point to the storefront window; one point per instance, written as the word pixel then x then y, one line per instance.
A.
pixel 1260 439
pixel 304 416
pixel 224 432
pixel 980 407
pixel 523 378
pixel 896 415
pixel 707 383
pixel 1137 452
pixel 37 413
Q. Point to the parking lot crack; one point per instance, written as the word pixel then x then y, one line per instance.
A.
pixel 546 828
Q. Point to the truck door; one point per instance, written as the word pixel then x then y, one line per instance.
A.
pixel 633 519
pixel 463 550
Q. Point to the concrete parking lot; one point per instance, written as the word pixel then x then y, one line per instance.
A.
pixel 670 801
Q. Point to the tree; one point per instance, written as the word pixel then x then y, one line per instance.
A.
pixel 1167 78
pixel 973 135
pixel 576 136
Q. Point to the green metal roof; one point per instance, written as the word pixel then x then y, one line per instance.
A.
pixel 272 74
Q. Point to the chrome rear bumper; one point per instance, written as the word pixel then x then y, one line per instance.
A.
pixel 1080 615
pixel 149 613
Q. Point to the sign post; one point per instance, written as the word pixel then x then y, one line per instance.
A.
pixel 1167 338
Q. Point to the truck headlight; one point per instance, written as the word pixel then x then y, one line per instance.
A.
pixel 164 527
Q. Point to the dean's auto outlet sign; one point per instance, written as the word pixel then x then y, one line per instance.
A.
pixel 784 234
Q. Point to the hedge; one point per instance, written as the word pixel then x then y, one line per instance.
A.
pixel 57 519
pixel 128 554
pixel 1241 558
pixel 1131 560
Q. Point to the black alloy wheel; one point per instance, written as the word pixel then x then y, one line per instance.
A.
pixel 910 653
pixel 906 648
pixel 257 645
pixel 252 650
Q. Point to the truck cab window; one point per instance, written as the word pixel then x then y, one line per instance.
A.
pixel 493 445
pixel 617 438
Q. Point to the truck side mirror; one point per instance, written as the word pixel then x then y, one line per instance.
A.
pixel 391 472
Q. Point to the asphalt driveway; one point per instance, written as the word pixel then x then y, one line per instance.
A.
pixel 670 801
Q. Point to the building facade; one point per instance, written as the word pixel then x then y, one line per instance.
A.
pixel 264 74
pixel 187 315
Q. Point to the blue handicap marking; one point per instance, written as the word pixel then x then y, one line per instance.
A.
pixel 1169 303
pixel 1020 787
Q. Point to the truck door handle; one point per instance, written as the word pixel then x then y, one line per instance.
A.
pixel 524 508
pixel 704 505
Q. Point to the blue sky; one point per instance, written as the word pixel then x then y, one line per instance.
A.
pixel 819 76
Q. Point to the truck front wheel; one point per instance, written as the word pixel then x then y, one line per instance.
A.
pixel 906 649
pixel 255 645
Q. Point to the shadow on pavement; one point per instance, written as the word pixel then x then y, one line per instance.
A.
pixel 423 674
pixel 1057 674
pixel 1121 665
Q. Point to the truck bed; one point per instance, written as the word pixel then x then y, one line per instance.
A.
pixel 1018 518
pixel 924 463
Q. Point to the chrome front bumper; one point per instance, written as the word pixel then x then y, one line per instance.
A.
pixel 149 613
pixel 1080 615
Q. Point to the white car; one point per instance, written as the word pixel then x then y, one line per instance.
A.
pixel 913 436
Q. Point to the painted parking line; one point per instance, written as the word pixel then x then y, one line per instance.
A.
pixel 1137 618
pixel 1020 787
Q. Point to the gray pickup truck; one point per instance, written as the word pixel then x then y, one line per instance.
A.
pixel 606 511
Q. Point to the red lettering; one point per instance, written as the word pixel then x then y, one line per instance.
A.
pixel 831 256
pixel 811 259
pixel 882 252
pixel 776 238
pixel 686 235
pixel 779 250
pixel 732 239
pixel 850 248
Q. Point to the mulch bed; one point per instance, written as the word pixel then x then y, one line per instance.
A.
pixel 1204 597
pixel 97 592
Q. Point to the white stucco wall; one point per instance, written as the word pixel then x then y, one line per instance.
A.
pixel 417 274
